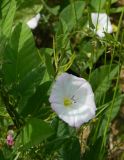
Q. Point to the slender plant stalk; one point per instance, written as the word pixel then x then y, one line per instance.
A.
pixel 17 120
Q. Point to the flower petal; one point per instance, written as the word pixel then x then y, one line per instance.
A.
pixel 102 23
pixel 79 91
pixel 32 23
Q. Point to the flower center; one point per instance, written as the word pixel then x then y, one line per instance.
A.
pixel 97 27
pixel 67 102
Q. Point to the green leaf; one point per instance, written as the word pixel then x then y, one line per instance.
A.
pixel 98 4
pixel 117 9
pixel 27 9
pixel 53 10
pixel 49 65
pixel 8 8
pixel 88 53
pixel 62 129
pixel 113 1
pixel 55 144
pixel 69 18
pixel 71 14
pixel 34 132
pixel 3 112
pixel 106 114
pixel 4 6
pixel 116 106
pixel 101 79
pixel 36 101
pixel 90 154
pixel 47 52
pixel 27 86
pixel 20 56
pixel 1 155
pixel 2 48
pixel 71 150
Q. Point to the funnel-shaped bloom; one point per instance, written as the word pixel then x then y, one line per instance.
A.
pixel 32 23
pixel 102 23
pixel 72 99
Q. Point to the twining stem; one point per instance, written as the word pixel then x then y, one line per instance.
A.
pixel 18 122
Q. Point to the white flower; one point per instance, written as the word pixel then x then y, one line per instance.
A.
pixel 32 23
pixel 72 99
pixel 102 23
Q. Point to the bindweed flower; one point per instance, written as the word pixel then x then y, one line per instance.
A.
pixel 32 23
pixel 72 99
pixel 102 23
pixel 10 139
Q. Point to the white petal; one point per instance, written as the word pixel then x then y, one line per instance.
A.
pixel 63 87
pixel 100 32
pixel 77 120
pixel 81 119
pixel 56 95
pixel 68 119
pixel 103 22
pixel 58 108
pixel 32 23
pixel 94 17
pixel 66 81
pixel 80 92
pixel 83 92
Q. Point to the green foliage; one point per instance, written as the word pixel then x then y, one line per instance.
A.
pixel 34 132
pixel 98 4
pixel 90 154
pixel 7 8
pixel 69 18
pixel 46 55
pixel 37 100
pixel 101 80
pixel 27 74
pixel 20 55
pixel 71 150
pixel 27 9
pixel 70 15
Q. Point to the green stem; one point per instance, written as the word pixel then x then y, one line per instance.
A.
pixel 18 122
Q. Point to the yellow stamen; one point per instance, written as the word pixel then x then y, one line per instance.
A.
pixel 97 27
pixel 67 102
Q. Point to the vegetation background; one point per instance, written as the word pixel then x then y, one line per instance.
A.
pixel 31 59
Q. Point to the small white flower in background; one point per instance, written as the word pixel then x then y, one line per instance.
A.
pixel 102 23
pixel 72 99
pixel 32 23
